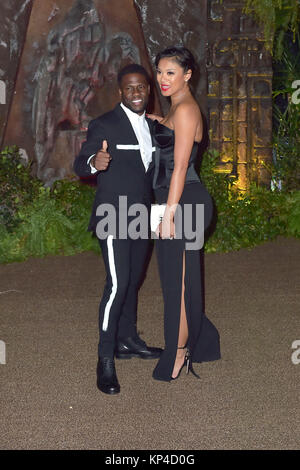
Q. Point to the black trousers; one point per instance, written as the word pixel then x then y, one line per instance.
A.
pixel 125 263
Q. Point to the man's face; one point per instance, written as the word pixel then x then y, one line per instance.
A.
pixel 134 91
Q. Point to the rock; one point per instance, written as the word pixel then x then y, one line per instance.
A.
pixel 72 54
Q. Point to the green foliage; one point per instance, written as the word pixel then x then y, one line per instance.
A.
pixel 245 220
pixel 44 229
pixel 75 200
pixel 37 221
pixel 287 69
pixel 17 187
pixel 54 221
pixel 74 196
pixel 10 246
pixel 293 214
pixel 276 17
pixel 286 114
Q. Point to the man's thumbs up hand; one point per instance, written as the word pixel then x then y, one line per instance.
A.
pixel 102 158
pixel 104 146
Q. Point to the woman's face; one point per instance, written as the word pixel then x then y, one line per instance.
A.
pixel 171 76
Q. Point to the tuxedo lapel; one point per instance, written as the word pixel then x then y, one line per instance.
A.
pixel 128 135
pixel 150 124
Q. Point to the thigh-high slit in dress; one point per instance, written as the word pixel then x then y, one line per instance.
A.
pixel 203 338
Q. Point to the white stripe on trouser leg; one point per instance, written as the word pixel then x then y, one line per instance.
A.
pixel 112 268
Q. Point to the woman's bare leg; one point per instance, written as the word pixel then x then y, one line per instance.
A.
pixel 183 329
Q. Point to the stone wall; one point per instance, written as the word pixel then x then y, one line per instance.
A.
pixel 67 76
pixel 239 103
pixel 59 60
pixel 177 22
pixel 14 21
pixel 234 82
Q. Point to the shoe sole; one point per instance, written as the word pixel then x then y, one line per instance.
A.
pixel 130 356
pixel 111 392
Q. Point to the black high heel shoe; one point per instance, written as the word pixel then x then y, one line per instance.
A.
pixel 188 363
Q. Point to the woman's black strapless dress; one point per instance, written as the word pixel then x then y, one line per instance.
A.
pixel 203 341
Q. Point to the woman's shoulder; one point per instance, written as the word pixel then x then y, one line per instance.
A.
pixel 187 109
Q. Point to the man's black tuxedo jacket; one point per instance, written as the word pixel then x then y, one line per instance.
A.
pixel 125 175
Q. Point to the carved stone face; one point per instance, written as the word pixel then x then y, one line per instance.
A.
pixel 134 91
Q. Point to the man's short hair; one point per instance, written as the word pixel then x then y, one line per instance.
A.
pixel 132 68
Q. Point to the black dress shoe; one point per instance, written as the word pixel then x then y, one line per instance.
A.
pixel 107 380
pixel 135 347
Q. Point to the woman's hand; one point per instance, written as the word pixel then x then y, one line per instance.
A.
pixel 166 229
pixel 155 117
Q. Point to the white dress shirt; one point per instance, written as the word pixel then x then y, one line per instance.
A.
pixel 142 132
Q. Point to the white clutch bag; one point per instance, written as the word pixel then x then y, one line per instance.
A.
pixel 156 215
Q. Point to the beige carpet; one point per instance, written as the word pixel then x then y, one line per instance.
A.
pixel 247 400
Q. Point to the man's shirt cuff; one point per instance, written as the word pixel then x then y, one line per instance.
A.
pixel 93 169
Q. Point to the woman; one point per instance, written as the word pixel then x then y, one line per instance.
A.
pixel 189 335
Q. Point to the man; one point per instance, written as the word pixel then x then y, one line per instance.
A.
pixel 124 166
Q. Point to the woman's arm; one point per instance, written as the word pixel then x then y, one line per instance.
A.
pixel 186 121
